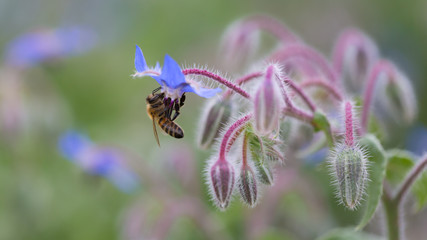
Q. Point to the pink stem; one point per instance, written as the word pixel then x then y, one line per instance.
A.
pixel 298 114
pixel 300 92
pixel 327 86
pixel 242 80
pixel 349 141
pixel 272 26
pixel 218 79
pixel 245 151
pixel 291 109
pixel 233 138
pixel 229 132
pixel 302 51
pixel 379 67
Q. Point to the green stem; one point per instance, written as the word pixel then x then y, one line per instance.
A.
pixel 393 204
pixel 392 215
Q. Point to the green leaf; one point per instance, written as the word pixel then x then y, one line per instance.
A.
pixel 377 165
pixel 419 189
pixel 348 234
pixel 399 163
pixel 320 123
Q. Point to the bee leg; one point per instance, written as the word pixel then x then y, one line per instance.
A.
pixel 181 100
pixel 156 90
pixel 170 109
pixel 176 108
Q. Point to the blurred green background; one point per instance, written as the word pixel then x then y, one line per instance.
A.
pixel 43 196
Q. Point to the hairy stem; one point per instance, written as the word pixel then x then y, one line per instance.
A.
pixel 304 52
pixel 272 26
pixel 298 114
pixel 335 92
pixel 349 124
pixel 217 78
pixel 245 150
pixel 243 80
pixel 301 93
pixel 233 138
pixel 380 67
pixel 236 125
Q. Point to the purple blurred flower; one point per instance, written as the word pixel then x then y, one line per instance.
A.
pixel 39 46
pixel 96 160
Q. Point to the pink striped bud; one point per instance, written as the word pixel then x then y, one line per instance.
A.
pixel 222 179
pixel 267 103
pixel 354 55
pixel 397 97
pixel 216 115
pixel 248 185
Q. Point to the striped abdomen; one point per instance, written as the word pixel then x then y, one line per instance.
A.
pixel 170 127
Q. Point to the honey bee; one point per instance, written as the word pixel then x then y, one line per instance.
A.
pixel 160 110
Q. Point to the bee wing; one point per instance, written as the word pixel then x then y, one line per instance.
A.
pixel 155 132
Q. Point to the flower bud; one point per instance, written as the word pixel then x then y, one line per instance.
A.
pixel 217 113
pixel 397 98
pixel 267 104
pixel 222 178
pixel 248 185
pixel 349 169
pixel 354 55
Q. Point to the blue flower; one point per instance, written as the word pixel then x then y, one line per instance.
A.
pixel 40 46
pixel 96 160
pixel 72 143
pixel 171 78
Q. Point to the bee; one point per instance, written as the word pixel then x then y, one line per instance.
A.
pixel 160 110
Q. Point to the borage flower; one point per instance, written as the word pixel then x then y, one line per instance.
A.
pixel 97 160
pixel 170 78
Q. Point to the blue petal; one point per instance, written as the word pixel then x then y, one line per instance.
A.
pixel 202 92
pixel 140 63
pixel 172 75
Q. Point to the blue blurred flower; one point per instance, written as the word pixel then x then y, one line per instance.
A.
pixel 35 47
pixel 171 78
pixel 73 143
pixel 416 141
pixel 96 160
pixel 317 157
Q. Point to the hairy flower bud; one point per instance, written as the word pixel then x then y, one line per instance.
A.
pixel 217 113
pixel 267 103
pixel 222 179
pixel 349 170
pixel 248 185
